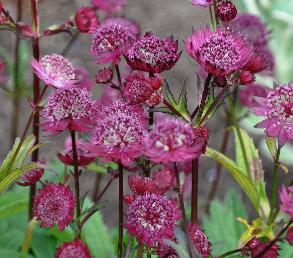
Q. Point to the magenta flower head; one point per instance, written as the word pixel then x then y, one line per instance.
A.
pixel 226 11
pixel 286 200
pixel 137 88
pixel 151 54
pixel 109 6
pixel 252 28
pixel 141 185
pixel 277 108
pixel 73 249
pixel 203 3
pixel 119 132
pixel 255 247
pixel 172 140
pixel 199 240
pixel 112 38
pixel 248 93
pixel 31 177
pixel 218 52
pixel 70 109
pixel 164 180
pixel 55 70
pixel 86 19
pixel 54 205
pixel 85 157
pixel 104 75
pixel 151 218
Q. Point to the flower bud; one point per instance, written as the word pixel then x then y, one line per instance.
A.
pixel 86 19
pixel 226 11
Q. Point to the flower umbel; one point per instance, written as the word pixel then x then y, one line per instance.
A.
pixel 286 200
pixel 55 70
pixel 277 108
pixel 74 249
pixel 54 205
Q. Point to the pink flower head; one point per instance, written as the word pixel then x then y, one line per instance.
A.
pixel 109 6
pixel 255 247
pixel 31 177
pixel 172 140
pixel 85 157
pixel 110 95
pixel 86 19
pixel 140 185
pixel 252 28
pixel 219 52
pixel 119 132
pixel 111 38
pixel 104 75
pixel 155 98
pixel 199 240
pixel 55 70
pixel 286 200
pixel 164 180
pixel 82 75
pixel 165 251
pixel 74 249
pixel 289 236
pixel 268 59
pixel 54 205
pixel 203 3
pixel 247 94
pixel 151 54
pixel 226 11
pixel 137 88
pixel 277 108
pixel 70 109
pixel 151 218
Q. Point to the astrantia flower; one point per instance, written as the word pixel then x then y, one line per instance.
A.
pixel 255 247
pixel 247 94
pixel 203 3
pixel 55 70
pixel 151 218
pixel 140 185
pixel 54 205
pixel 286 200
pixel 111 38
pixel 172 140
pixel 219 52
pixel 31 177
pixel 74 249
pixel 104 75
pixel 277 108
pixel 119 132
pixel 164 180
pixel 226 11
pixel 137 88
pixel 84 156
pixel 199 240
pixel 152 54
pixel 86 19
pixel 70 109
pixel 109 6
pixel 252 28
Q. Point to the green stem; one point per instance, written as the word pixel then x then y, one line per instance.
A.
pixel 28 237
pixel 229 253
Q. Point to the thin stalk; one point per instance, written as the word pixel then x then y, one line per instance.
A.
pixel 212 18
pixel 194 191
pixel 275 179
pixel 97 186
pixel 36 96
pixel 215 12
pixel 76 180
pixel 16 95
pixel 120 239
pixel 118 76
pixel 230 253
pixel 67 48
pixel 28 237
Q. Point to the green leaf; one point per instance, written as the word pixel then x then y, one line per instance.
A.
pixel 9 254
pixel 96 235
pixel 286 249
pixel 221 226
pixel 238 175
pixel 101 167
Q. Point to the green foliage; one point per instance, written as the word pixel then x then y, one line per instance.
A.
pixel 13 166
pixel 221 226
pixel 98 167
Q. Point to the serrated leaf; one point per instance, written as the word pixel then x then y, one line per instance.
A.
pixel 237 174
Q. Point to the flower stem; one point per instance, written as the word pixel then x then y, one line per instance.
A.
pixel 28 237
pixel 119 76
pixel 274 187
pixel 36 96
pixel 67 48
pixel 194 191
pixel 76 181
pixel 120 239
pixel 229 253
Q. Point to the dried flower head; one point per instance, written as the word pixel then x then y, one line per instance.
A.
pixel 54 205
pixel 199 240
pixel 70 109
pixel 286 200
pixel 172 140
pixel 104 75
pixel 277 108
pixel 151 218
pixel 109 6
pixel 219 52
pixel 119 132
pixel 151 54
pixel 111 38
pixel 137 88
pixel 74 249
pixel 55 70
pixel 86 19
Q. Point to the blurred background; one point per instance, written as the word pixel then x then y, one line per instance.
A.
pixel 162 17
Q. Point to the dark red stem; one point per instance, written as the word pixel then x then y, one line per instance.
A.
pixel 194 191
pixel 120 239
